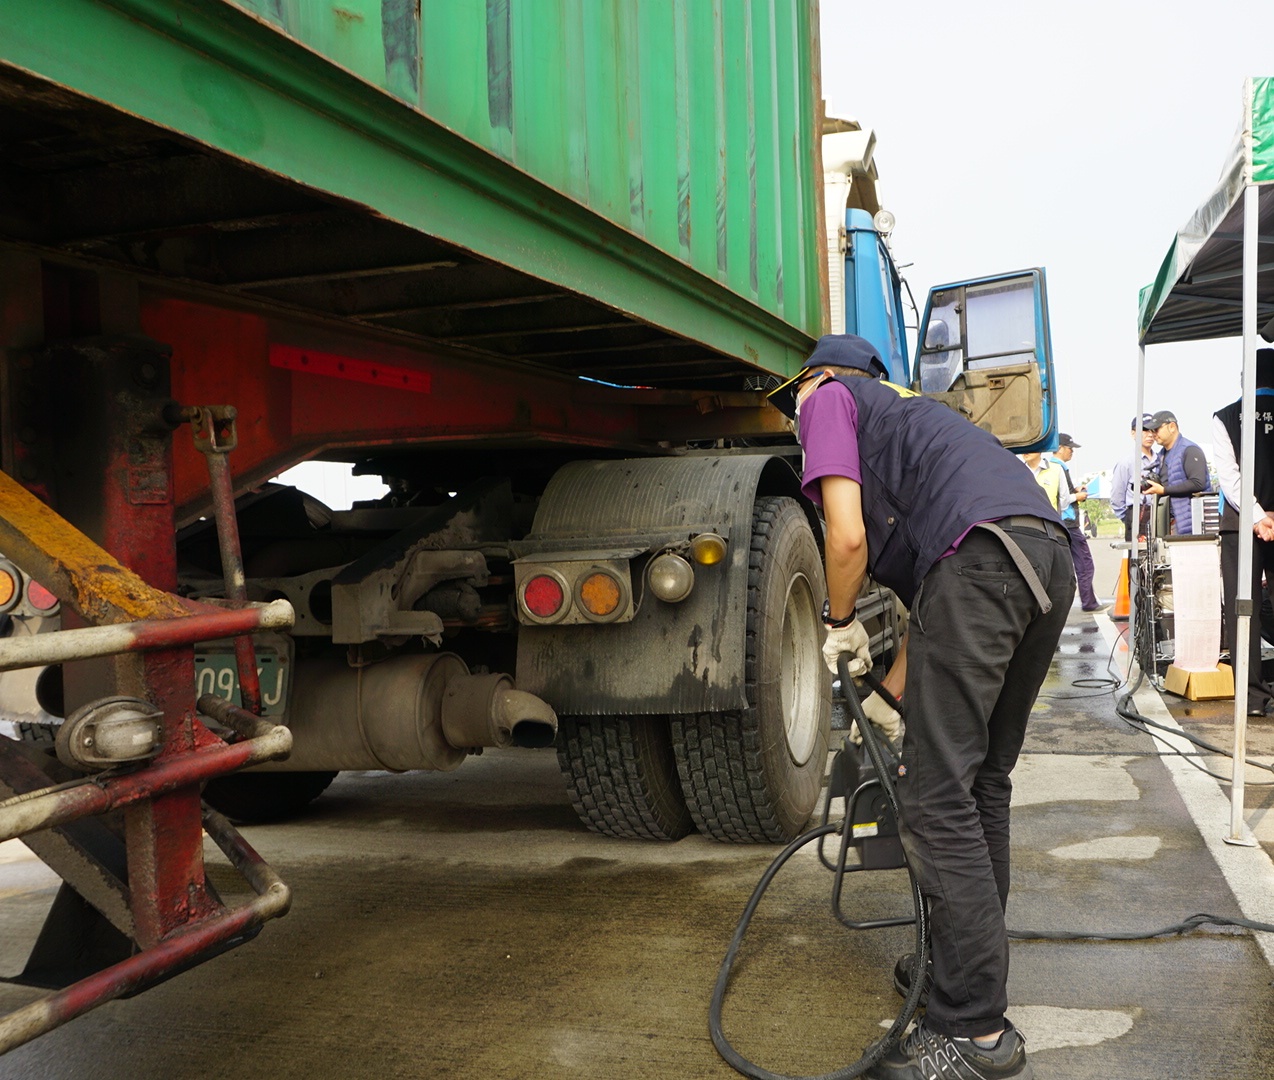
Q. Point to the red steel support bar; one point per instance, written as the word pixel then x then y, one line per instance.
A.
pixel 215 436
pixel 236 585
pixel 169 955
pixel 58 806
pixel 144 636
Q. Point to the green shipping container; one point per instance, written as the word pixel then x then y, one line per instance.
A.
pixel 654 161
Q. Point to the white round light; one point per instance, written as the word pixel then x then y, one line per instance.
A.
pixel 884 222
pixel 671 578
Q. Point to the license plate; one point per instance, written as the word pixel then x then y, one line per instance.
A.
pixel 217 673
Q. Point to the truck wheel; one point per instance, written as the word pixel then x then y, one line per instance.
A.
pixel 252 798
pixel 42 735
pixel 754 775
pixel 622 776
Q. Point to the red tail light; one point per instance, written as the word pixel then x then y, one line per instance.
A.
pixel 543 596
pixel 40 598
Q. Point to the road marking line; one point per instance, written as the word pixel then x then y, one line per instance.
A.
pixel 1249 872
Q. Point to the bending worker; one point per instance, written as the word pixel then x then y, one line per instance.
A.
pixel 939 512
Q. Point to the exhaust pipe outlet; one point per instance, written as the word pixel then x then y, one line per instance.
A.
pixel 485 710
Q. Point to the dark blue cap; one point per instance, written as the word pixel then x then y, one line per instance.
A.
pixel 847 350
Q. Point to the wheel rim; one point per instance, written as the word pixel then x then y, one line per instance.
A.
pixel 800 679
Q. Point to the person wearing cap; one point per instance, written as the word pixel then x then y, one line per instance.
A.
pixel 1068 504
pixel 1227 442
pixel 1184 470
pixel 1123 494
pixel 938 511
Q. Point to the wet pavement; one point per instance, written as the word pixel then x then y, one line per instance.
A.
pixel 466 925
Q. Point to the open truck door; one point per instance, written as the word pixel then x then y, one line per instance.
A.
pixel 985 350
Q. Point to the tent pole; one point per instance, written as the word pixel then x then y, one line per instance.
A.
pixel 1134 585
pixel 1247 455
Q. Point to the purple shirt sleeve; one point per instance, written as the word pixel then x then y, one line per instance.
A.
pixel 828 429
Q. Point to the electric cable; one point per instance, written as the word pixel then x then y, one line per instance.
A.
pixel 1143 645
pixel 871 742
pixel 1192 922
pixel 1112 683
pixel 881 1046
pixel 1128 712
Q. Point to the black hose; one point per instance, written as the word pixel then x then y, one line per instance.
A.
pixel 881 1046
pixel 1124 708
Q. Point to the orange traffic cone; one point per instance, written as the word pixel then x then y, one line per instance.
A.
pixel 1121 592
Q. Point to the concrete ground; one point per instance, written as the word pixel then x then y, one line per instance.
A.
pixel 466 925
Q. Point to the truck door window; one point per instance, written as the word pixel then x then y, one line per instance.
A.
pixel 1001 323
pixel 941 356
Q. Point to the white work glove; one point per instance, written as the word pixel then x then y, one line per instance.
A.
pixel 883 716
pixel 851 639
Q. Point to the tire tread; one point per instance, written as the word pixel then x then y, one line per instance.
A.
pixel 621 776
pixel 720 756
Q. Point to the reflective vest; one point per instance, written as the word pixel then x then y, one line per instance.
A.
pixel 1050 479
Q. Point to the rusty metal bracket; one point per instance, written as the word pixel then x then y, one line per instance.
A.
pixel 213 426
pixel 176 951
pixel 175 919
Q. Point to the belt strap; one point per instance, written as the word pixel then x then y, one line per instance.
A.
pixel 1023 564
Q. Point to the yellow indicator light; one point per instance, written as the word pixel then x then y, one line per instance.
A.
pixel 8 588
pixel 599 594
pixel 707 549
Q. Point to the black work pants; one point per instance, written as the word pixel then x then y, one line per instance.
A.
pixel 1258 692
pixel 978 649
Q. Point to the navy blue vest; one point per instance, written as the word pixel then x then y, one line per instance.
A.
pixel 928 475
pixel 1174 472
pixel 1263 477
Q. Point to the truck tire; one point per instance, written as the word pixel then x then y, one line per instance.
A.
pixel 42 735
pixel 622 776
pixel 754 775
pixel 255 798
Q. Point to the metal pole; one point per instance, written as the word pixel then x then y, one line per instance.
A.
pixel 1247 455
pixel 222 488
pixel 142 636
pixel 1135 509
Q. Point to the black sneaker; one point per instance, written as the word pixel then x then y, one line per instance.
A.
pixel 925 1055
pixel 902 978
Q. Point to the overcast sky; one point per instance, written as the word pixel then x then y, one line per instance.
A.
pixel 1077 137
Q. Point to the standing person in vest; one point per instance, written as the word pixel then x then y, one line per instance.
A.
pixel 1184 470
pixel 935 509
pixel 1227 441
pixel 1069 504
pixel 1047 474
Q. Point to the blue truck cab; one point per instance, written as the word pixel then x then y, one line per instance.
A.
pixel 984 346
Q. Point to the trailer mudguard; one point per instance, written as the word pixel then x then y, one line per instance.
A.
pixel 685 657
